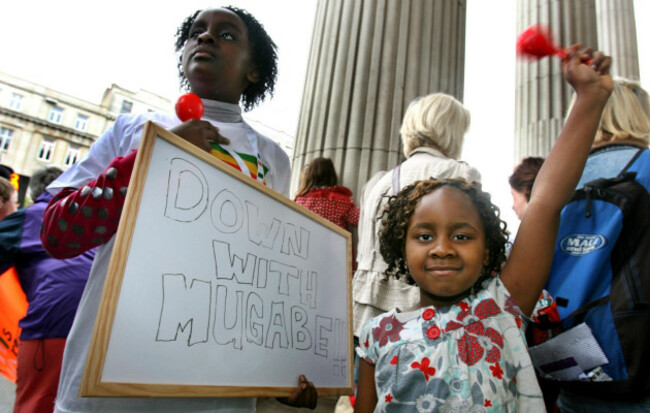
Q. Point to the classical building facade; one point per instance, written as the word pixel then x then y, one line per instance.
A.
pixel 368 61
pixel 40 126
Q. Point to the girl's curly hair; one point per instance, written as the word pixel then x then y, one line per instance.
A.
pixel 263 52
pixel 397 214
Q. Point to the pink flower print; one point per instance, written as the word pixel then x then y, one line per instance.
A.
pixel 494 336
pixel 469 349
pixel 513 309
pixel 476 328
pixel 388 329
pixel 486 308
pixel 424 367
pixel 511 306
pixel 496 371
pixel 493 355
pixel 464 310
pixel 452 325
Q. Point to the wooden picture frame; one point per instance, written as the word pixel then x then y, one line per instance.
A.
pixel 218 286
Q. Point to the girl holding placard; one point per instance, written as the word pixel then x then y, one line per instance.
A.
pixel 227 58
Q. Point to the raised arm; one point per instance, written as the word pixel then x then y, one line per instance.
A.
pixel 527 269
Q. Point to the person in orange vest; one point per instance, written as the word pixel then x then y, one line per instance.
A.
pixel 53 289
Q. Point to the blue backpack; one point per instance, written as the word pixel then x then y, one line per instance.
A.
pixel 601 276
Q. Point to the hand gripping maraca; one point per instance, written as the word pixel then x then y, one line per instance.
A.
pixel 189 106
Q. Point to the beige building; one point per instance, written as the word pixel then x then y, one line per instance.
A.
pixel 40 126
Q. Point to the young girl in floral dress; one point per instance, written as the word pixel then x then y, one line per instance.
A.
pixel 463 349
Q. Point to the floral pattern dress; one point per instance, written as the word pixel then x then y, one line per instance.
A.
pixel 469 357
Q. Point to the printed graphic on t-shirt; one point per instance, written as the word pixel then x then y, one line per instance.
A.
pixel 250 160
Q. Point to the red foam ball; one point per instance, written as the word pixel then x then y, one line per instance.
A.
pixel 536 42
pixel 189 106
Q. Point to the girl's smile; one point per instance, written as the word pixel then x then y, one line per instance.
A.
pixel 442 271
pixel 445 245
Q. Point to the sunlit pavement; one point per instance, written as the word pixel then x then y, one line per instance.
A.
pixel 7 395
pixel 325 404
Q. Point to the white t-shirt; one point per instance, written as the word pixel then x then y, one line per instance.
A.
pixel 124 136
pixel 120 140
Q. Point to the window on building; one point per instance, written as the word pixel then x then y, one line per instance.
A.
pixel 16 101
pixel 56 115
pixel 81 122
pixel 5 138
pixel 45 151
pixel 72 156
pixel 126 106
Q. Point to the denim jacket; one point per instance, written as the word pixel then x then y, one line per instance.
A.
pixel 606 162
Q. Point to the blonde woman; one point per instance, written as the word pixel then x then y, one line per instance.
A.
pixel 624 129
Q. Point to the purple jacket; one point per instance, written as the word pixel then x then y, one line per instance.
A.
pixel 53 287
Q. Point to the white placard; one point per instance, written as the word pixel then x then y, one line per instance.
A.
pixel 225 285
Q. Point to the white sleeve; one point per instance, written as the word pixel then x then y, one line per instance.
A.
pixel 101 153
pixel 279 178
pixel 282 177
pixel 119 140
pixel 469 173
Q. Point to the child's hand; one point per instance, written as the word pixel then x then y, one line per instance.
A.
pixel 588 72
pixel 199 133
pixel 305 395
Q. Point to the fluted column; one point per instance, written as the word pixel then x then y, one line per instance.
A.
pixel 542 96
pixel 368 60
pixel 617 36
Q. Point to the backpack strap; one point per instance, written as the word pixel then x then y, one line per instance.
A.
pixel 582 311
pixel 629 164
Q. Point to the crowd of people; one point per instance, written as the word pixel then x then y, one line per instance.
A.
pixel 442 292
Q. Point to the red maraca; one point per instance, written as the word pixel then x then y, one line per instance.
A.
pixel 536 42
pixel 189 106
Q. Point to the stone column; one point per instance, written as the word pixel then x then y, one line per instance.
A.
pixel 542 95
pixel 368 60
pixel 617 36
